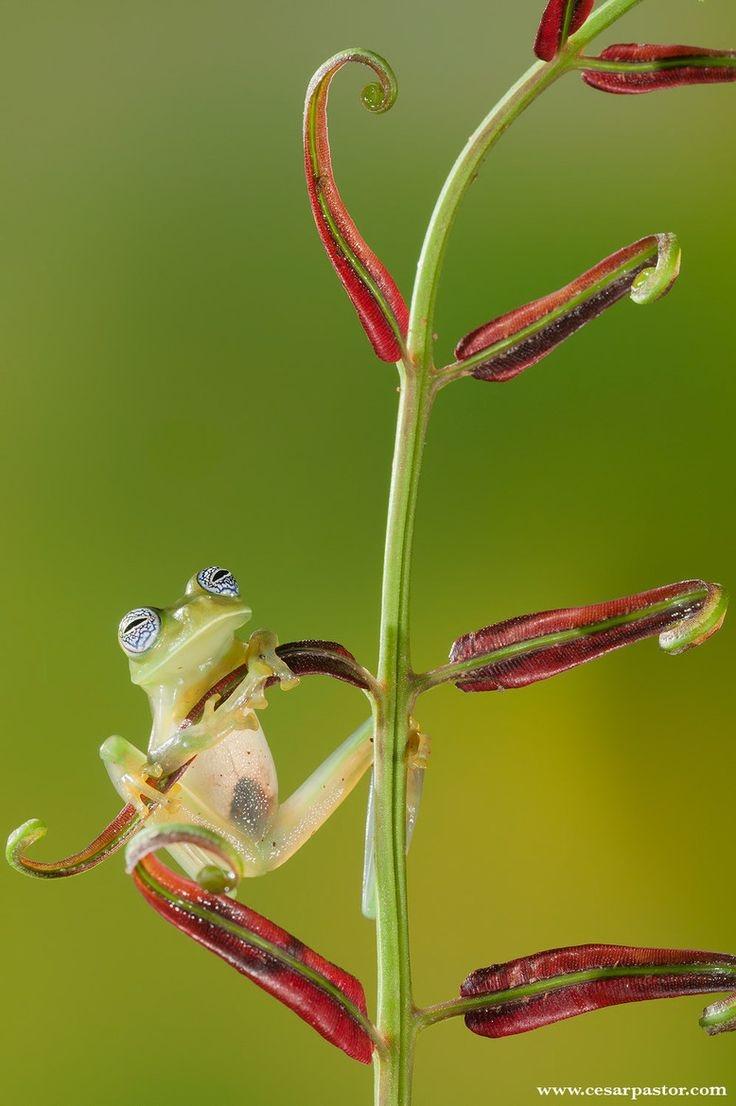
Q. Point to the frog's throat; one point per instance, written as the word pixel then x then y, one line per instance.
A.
pixel 171 702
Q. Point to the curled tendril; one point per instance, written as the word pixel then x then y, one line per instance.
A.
pixel 22 838
pixel 221 877
pixel 380 306
pixel 380 97
pixel 652 284
pixel 113 837
pixel 109 841
pixel 377 96
pixel 720 1017
pixel 705 620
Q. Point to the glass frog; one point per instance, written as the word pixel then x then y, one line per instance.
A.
pixel 176 655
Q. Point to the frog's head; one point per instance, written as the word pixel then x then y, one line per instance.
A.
pixel 178 642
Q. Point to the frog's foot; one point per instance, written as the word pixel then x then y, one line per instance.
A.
pixel 261 650
pixel 418 747
pixel 131 774
pixel 264 666
pixel 139 790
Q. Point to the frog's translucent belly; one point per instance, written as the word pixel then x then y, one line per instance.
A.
pixel 233 790
pixel 237 781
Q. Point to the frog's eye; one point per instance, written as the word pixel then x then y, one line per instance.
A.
pixel 218 581
pixel 139 629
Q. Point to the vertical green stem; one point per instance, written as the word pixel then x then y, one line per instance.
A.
pixel 397 1021
pixel 395 1001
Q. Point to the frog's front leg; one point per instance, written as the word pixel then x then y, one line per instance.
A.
pixel 309 807
pixel 193 738
pixel 236 712
pixel 130 772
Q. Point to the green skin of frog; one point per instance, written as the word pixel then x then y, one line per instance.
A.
pixel 176 654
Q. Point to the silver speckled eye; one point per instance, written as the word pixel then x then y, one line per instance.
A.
pixel 218 581
pixel 139 629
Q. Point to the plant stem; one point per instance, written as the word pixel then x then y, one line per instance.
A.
pixel 397 1019
pixel 396 1016
pixel 395 1002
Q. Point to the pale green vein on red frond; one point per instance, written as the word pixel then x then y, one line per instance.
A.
pixel 380 306
pixel 501 349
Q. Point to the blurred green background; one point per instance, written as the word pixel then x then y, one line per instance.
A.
pixel 185 383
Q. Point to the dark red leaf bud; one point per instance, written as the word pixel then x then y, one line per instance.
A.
pixel 533 647
pixel 327 998
pixel 535 991
pixel 630 68
pixel 501 349
pixel 561 19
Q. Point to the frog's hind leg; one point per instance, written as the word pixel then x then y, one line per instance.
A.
pixel 309 807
